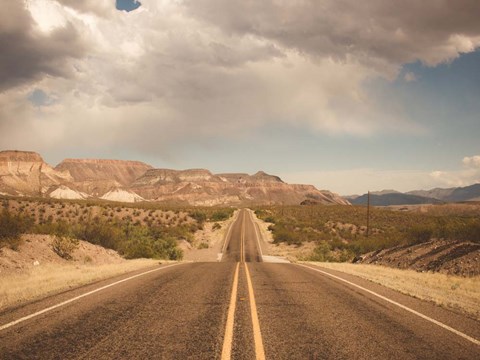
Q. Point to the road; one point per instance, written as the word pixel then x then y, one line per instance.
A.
pixel 239 308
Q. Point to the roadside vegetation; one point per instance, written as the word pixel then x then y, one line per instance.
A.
pixel 143 230
pixel 340 232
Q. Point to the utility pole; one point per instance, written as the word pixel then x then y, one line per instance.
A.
pixel 368 213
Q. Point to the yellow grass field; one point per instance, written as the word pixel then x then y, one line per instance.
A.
pixel 49 279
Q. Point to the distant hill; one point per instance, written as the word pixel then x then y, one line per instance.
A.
pixel 25 173
pixel 433 196
pixel 467 193
pixel 396 198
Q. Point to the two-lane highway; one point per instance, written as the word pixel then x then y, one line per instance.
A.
pixel 239 308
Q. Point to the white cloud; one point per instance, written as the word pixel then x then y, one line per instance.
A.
pixel 472 161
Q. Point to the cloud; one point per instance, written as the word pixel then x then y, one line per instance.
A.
pixel 470 173
pixel 382 34
pixel 28 54
pixel 97 7
pixel 176 72
pixel 472 161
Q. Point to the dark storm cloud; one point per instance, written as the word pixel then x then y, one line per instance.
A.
pixel 389 31
pixel 28 54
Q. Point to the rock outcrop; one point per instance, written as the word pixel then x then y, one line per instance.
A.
pixel 24 173
pixel 122 195
pixel 92 170
pixel 64 192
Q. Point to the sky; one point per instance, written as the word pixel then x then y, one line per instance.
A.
pixel 346 95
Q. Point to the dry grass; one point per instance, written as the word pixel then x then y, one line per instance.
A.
pixel 45 280
pixel 452 292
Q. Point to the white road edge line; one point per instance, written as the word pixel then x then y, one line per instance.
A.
pixel 425 317
pixel 257 334
pixel 228 339
pixel 256 234
pixel 10 324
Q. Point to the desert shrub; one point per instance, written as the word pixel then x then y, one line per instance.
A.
pixel 11 227
pixel 281 234
pixel 59 228
pixel 64 246
pixel 202 245
pixel 322 252
pixel 471 231
pixel 199 216
pixel 216 226
pixel 418 234
pixel 101 233
pixel 269 219
pixel 220 215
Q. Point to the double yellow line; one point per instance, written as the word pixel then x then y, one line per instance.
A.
pixel 257 335
pixel 242 239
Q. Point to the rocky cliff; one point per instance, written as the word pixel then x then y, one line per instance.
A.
pixel 97 177
pixel 25 173
pixel 121 171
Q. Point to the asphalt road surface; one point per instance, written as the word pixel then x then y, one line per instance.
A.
pixel 239 308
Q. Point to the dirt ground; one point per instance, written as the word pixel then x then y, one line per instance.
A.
pixel 447 257
pixel 36 250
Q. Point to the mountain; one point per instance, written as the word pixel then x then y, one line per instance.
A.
pixel 122 171
pixel 433 196
pixel 436 193
pixel 396 198
pixel 467 193
pixel 26 174
pixel 96 177
pixel 201 187
pixel 385 192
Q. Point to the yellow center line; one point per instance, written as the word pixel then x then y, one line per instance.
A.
pixel 242 239
pixel 228 339
pixel 257 335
